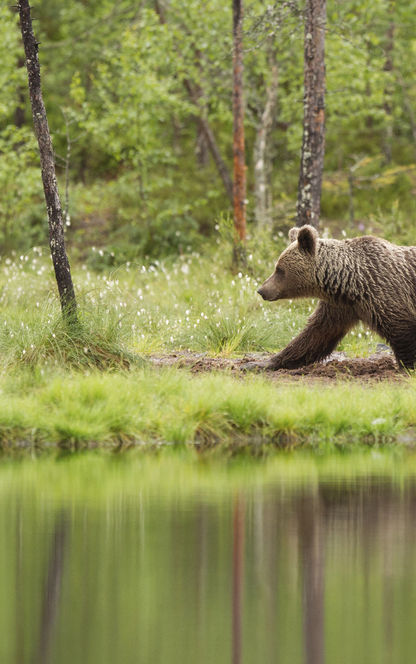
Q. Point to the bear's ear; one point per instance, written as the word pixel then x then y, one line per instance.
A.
pixel 293 234
pixel 307 239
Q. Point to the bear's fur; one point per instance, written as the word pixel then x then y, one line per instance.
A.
pixel 364 279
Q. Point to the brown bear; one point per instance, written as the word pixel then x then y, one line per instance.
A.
pixel 364 279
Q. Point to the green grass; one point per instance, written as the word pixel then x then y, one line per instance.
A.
pixel 193 303
pixel 77 410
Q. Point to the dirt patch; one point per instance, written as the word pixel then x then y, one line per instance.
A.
pixel 377 367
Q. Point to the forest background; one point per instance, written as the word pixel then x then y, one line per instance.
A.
pixel 129 87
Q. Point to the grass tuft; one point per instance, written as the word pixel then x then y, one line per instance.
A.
pixel 232 333
pixel 44 337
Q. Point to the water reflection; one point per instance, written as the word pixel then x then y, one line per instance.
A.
pixel 52 587
pixel 238 561
pixel 308 574
pixel 311 542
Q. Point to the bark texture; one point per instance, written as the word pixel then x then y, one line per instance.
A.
pixel 238 135
pixel 313 142
pixel 50 187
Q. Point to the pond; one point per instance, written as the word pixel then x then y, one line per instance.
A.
pixel 179 560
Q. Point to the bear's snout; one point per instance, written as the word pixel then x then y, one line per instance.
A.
pixel 266 293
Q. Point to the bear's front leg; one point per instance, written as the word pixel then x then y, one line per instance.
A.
pixel 403 342
pixel 325 328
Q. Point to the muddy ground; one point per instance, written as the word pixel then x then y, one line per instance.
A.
pixel 377 367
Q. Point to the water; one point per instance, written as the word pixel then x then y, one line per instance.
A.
pixel 111 567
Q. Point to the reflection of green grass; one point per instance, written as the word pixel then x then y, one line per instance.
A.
pixel 99 476
pixel 77 409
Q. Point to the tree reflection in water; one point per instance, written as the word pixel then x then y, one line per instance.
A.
pixel 295 574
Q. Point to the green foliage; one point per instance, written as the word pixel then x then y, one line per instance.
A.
pixel 375 191
pixel 21 187
pixel 133 85
pixel 120 112
pixel 12 76
pixel 121 225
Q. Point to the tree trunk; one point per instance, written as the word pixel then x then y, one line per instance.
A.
pixel 201 145
pixel 261 152
pixel 313 142
pixel 216 155
pixel 50 187
pixel 239 189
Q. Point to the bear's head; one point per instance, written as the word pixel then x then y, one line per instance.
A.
pixel 295 272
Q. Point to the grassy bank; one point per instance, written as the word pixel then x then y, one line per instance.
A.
pixel 78 410
pixel 52 393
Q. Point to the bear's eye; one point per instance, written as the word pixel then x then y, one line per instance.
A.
pixel 280 272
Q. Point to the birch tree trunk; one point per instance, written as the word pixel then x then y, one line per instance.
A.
pixel 261 152
pixel 47 162
pixel 239 189
pixel 313 142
